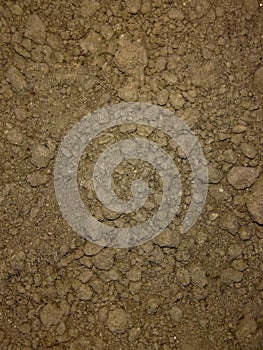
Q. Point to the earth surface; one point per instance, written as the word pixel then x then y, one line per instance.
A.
pixel 61 60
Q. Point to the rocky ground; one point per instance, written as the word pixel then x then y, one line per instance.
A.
pixel 61 60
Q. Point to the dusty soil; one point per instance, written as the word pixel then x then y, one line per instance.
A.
pixel 61 60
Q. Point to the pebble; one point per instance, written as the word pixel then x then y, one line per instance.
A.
pixel 128 93
pixel 133 6
pixel 241 177
pixel 91 249
pixel 168 239
pixel 50 315
pixel 183 276
pixel 245 232
pixel 176 314
pixel 162 97
pixel 176 14
pixel 234 250
pixel 35 29
pixel 88 8
pixel 134 275
pixel 84 292
pixel 255 201
pixel 42 155
pixel 37 179
pixel 15 136
pixel 104 260
pixel 16 79
pixel 215 175
pixel 239 265
pixel 229 222
pixel 118 320
pixel 230 275
pixel 246 327
pixel 153 304
pixel 248 150
pixel 131 57
pixel 176 100
pixel 198 276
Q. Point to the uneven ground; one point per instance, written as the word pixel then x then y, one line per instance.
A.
pixel 61 60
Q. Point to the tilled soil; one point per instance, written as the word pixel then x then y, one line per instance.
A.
pixel 61 60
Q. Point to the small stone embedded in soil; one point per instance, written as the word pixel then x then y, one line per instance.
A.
pixel 42 155
pixel 118 320
pixel 37 179
pixel 91 249
pixel 153 304
pixel 35 29
pixel 134 275
pixel 198 276
pixel 133 6
pixel 228 221
pixel 168 239
pixel 89 7
pixel 230 276
pixel 246 327
pixel 50 315
pixel 176 100
pixel 104 260
pixel 242 177
pixel 15 136
pixel 16 79
pixel 84 292
pixel 162 97
pixel 183 276
pixel 131 57
pixel 255 201
pixel 248 150
pixel 176 314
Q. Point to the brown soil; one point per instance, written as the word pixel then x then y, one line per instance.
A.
pixel 61 60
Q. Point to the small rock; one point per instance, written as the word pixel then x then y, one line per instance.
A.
pixel 128 93
pixel 258 79
pixel 131 58
pixel 176 100
pixel 104 260
pixel 37 179
pixel 204 75
pixel 176 314
pixel 239 265
pixel 162 97
pixel 176 14
pixel 234 250
pixel 248 150
pixel 230 275
pixel 245 328
pixel 41 155
pixel 50 315
pixel 153 304
pixel 91 43
pixel 35 29
pixel 16 79
pixel 84 292
pixel 91 249
pixel 183 276
pixel 89 8
pixel 133 6
pixel 229 222
pixel 15 136
pixel 198 277
pixel 134 275
pixel 242 177
pixel 118 321
pixel 215 175
pixel 245 232
pixel 86 275
pixel 239 129
pixel 190 116
pixel 168 239
pixel 255 201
